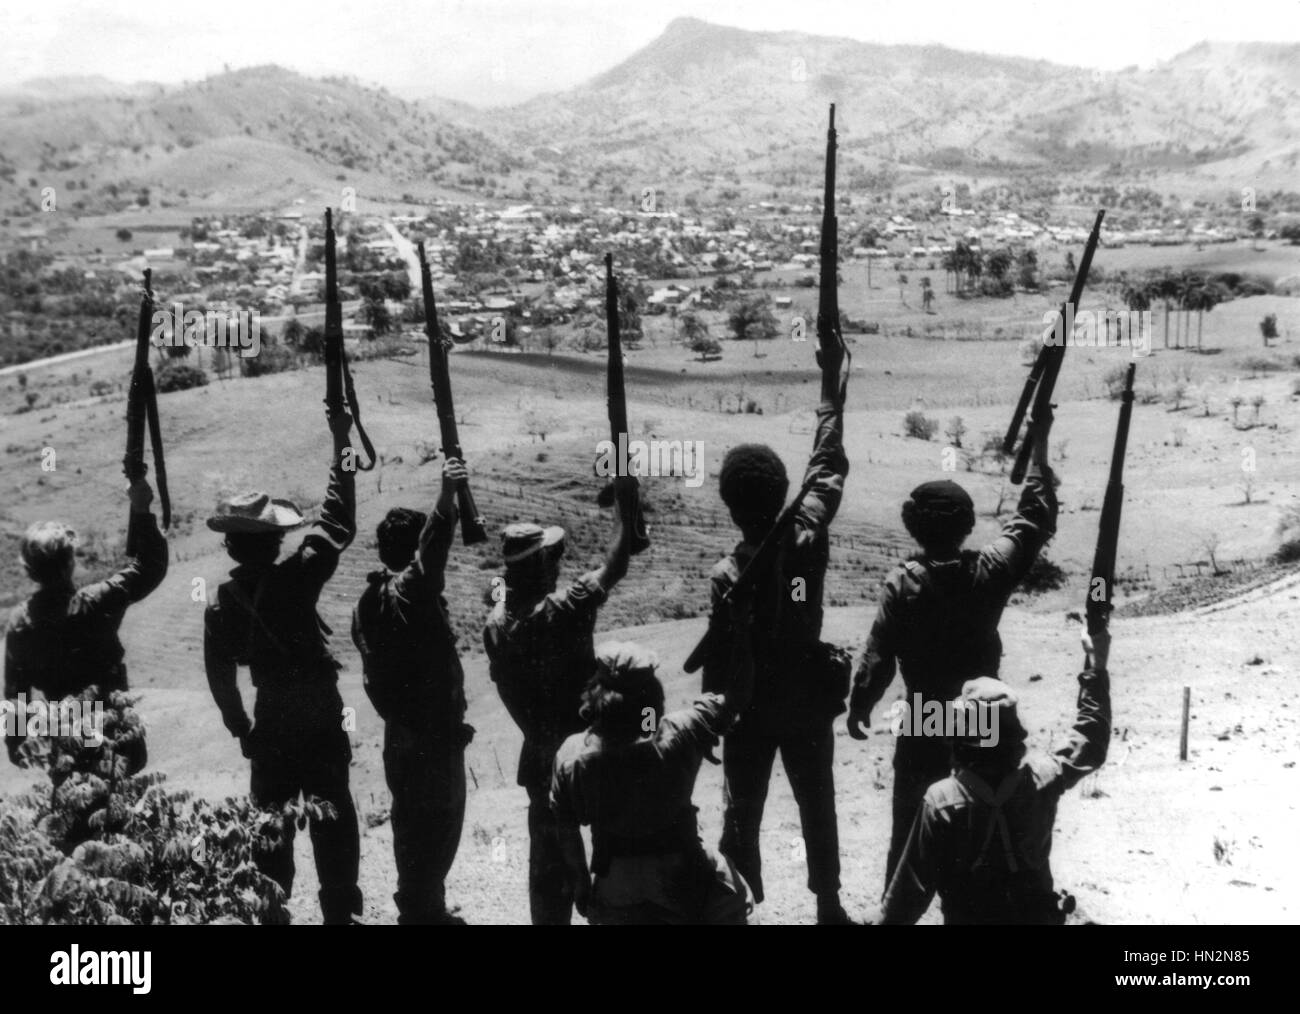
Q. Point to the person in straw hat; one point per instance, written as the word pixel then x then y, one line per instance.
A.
pixel 264 617
pixel 541 653
pixel 982 838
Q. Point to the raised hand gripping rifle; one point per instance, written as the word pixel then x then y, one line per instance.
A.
pixel 338 379
pixel 1101 588
pixel 616 400
pixel 759 565
pixel 471 523
pixel 1041 382
pixel 830 337
pixel 142 410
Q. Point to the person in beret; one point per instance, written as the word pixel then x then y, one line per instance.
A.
pixel 937 618
pixel 265 618
pixel 982 837
pixel 541 652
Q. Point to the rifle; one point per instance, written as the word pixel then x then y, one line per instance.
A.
pixel 142 409
pixel 1041 381
pixel 759 564
pixel 338 380
pixel 1101 587
pixel 471 523
pixel 829 335
pixel 616 401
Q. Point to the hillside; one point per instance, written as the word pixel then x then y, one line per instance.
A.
pixel 260 134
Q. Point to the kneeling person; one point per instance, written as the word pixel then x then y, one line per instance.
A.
pixel 982 839
pixel 630 776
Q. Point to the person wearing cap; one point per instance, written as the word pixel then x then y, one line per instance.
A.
pixel 64 640
pixel 982 837
pixel 413 677
pixel 630 776
pixel 541 654
pixel 264 617
pixel 937 618
pixel 799 685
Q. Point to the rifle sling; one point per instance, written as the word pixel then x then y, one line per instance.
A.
pixel 355 408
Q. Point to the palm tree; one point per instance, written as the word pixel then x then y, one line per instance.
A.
pixel 1207 298
pixel 1165 287
pixel 1136 296
pixel 1189 295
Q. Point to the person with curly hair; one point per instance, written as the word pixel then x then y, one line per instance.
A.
pixel 630 776
pixel 799 682
pixel 937 619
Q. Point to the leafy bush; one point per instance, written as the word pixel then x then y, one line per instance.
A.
pixel 1043 576
pixel 177 376
pixel 107 845
pixel 272 358
pixel 917 424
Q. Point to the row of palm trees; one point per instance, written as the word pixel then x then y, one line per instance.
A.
pixel 1184 291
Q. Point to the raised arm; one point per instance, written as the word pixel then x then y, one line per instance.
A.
pixel 436 538
pixel 614 569
pixel 1090 738
pixel 827 469
pixel 337 526
pixel 1009 557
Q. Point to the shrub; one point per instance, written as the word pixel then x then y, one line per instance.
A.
pixel 177 376
pixel 1114 381
pixel 271 358
pixel 917 424
pixel 1043 576
pixel 107 845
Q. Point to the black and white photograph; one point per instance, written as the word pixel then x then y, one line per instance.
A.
pixel 572 463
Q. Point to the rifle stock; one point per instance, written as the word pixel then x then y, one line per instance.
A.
pixel 471 522
pixel 1036 397
pixel 1101 588
pixel 616 399
pixel 340 395
pixel 142 412
pixel 757 566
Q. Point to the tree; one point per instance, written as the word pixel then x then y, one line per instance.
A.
pixel 955 430
pixel 902 287
pixel 375 313
pixel 753 319
pixel 292 333
pixel 999 264
pixel 124 235
pixel 706 348
pixel 1027 267
pixel 1268 328
pixel 692 327
pixel 927 294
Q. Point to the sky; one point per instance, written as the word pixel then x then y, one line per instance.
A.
pixel 490 52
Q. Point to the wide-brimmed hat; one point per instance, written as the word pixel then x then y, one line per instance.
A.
pixel 520 541
pixel 255 512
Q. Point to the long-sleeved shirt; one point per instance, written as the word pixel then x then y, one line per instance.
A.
pixel 787 610
pixel 938 620
pixel 401 627
pixel 265 618
pixel 985 848
pixel 64 639
pixel 637 796
pixel 540 656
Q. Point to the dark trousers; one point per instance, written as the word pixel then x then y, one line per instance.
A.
pixel 807 753
pixel 426 775
pixel 550 895
pixel 314 764
pixel 919 762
